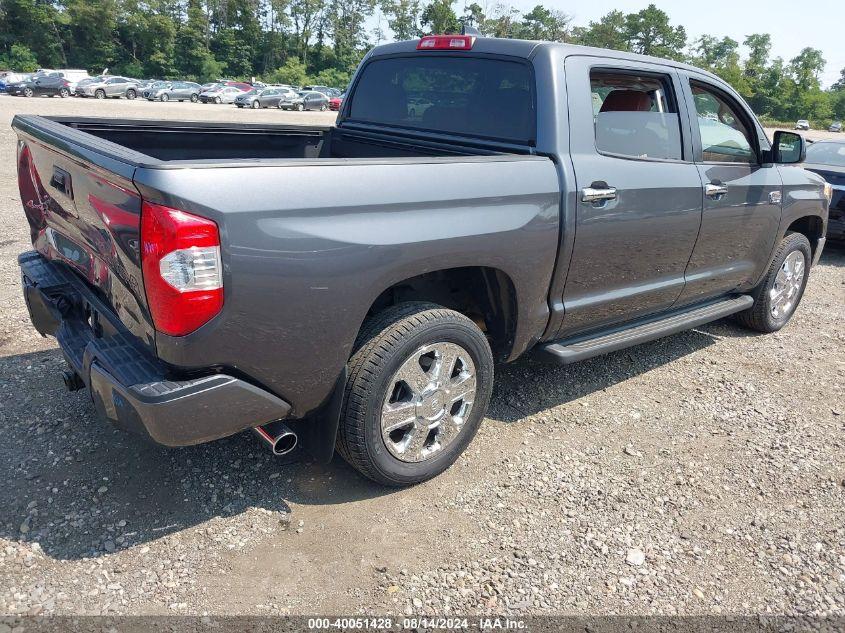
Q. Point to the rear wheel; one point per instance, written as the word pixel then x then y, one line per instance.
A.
pixel 780 292
pixel 100 94
pixel 419 385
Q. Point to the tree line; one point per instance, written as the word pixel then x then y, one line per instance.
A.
pixel 322 41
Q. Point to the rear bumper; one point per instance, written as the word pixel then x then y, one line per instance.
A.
pixel 129 386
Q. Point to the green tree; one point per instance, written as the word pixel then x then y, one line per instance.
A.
pixel 19 58
pixel 193 59
pixel 292 73
pixel 650 33
pixel 440 18
pixel 611 31
pixel 36 25
pixel 544 24
pixel 92 41
pixel 403 18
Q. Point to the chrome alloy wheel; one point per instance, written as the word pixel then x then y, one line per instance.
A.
pixel 429 398
pixel 784 293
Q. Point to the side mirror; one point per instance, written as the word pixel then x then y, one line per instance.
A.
pixel 789 148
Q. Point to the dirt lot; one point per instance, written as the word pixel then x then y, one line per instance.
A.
pixel 703 473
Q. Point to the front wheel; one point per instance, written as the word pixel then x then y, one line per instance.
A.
pixel 299 107
pixel 165 98
pixel 780 292
pixel 419 385
pixel 218 100
pixel 131 94
pixel 27 92
pixel 255 105
pixel 195 98
pixel 323 107
pixel 64 93
pixel 100 94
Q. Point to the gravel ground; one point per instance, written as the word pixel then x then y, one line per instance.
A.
pixel 699 474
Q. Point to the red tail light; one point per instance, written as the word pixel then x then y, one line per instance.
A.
pixel 446 42
pixel 183 274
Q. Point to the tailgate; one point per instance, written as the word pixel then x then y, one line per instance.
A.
pixel 84 212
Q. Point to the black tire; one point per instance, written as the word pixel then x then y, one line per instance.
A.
pixel 64 93
pixel 164 97
pixel 299 107
pixel 218 100
pixel 255 105
pixel 100 94
pixel 323 107
pixel 386 341
pixel 27 92
pixel 131 94
pixel 759 317
pixel 195 98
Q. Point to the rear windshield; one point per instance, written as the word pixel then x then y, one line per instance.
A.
pixel 472 96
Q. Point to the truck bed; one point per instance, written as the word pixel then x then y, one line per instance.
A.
pixel 168 141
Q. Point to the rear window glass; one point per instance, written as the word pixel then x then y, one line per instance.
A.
pixel 635 115
pixel 473 96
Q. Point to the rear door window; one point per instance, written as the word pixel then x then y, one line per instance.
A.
pixel 635 115
pixel 473 96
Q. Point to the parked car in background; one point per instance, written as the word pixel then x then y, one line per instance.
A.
pixel 47 85
pixel 266 98
pixel 326 90
pixel 313 100
pixel 802 124
pixel 827 159
pixel 336 102
pixel 112 87
pixel 226 94
pixel 248 99
pixel 73 76
pixel 836 126
pixel 79 91
pixel 242 85
pixel 172 91
pixel 9 77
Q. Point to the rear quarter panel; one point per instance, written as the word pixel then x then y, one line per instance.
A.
pixel 308 247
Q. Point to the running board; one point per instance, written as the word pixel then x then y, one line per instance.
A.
pixel 573 350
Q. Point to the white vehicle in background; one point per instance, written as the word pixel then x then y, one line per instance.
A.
pixel 221 94
pixel 802 124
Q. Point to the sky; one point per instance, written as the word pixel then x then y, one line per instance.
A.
pixel 792 24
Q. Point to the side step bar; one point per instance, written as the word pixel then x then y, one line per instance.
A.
pixel 573 350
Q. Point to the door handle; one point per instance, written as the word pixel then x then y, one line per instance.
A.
pixel 598 192
pixel 715 189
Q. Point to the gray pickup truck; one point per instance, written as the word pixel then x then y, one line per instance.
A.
pixel 351 287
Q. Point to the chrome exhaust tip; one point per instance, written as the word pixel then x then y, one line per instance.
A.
pixel 278 437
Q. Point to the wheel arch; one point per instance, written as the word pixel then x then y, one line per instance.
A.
pixel 484 294
pixel 811 226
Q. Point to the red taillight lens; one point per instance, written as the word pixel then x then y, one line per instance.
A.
pixel 446 42
pixel 183 274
